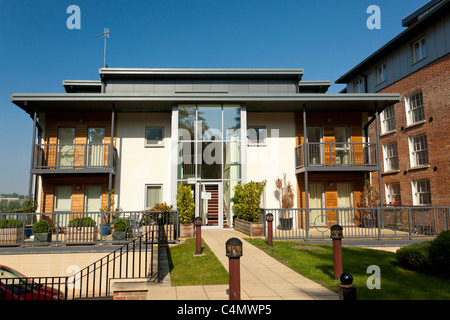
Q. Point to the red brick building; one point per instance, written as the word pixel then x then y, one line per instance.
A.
pixel 414 133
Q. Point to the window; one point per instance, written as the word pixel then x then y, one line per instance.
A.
pixel 419 50
pixel 390 156
pixel 381 73
pixel 153 195
pixel 418 150
pixel 414 108
pixel 387 120
pixel 393 193
pixel 358 86
pixel 63 198
pixel 421 192
pixel 257 135
pixel 154 136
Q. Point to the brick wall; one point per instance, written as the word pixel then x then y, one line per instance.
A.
pixel 434 82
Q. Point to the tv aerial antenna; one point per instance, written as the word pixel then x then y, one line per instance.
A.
pixel 105 35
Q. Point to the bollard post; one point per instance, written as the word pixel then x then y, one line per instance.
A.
pixel 233 249
pixel 336 235
pixel 198 235
pixel 269 219
pixel 346 289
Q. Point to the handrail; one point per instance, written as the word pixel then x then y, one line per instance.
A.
pixel 335 154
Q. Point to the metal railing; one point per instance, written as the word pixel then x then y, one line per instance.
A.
pixel 138 259
pixel 366 223
pixel 335 154
pixel 74 156
pixel 78 228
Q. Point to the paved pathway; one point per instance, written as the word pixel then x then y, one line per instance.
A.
pixel 262 277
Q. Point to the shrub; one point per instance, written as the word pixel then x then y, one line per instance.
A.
pixel 41 227
pixel 82 222
pixel 121 225
pixel 11 223
pixel 416 257
pixel 440 254
pixel 162 207
pixel 185 204
pixel 247 200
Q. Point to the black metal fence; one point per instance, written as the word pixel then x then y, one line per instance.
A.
pixel 365 223
pixel 78 228
pixel 138 259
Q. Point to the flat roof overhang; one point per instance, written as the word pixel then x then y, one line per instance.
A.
pixel 319 102
pixel 158 73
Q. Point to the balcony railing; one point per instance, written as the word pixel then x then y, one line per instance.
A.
pixel 92 156
pixel 336 155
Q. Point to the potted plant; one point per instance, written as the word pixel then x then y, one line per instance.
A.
pixel 285 196
pixel 29 206
pixel 120 229
pixel 186 211
pixel 11 231
pixel 150 218
pixel 82 229
pixel 247 201
pixel 42 232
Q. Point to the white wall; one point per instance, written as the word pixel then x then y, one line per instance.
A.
pixel 277 157
pixel 140 165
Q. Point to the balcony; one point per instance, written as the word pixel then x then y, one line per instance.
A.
pixel 336 156
pixel 74 158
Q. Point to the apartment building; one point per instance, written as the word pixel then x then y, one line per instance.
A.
pixel 130 138
pixel 415 132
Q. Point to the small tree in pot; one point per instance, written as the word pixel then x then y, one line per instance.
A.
pixel 186 211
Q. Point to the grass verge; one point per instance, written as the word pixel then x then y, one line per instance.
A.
pixel 189 270
pixel 316 263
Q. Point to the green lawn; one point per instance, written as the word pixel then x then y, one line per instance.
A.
pixel 316 263
pixel 187 269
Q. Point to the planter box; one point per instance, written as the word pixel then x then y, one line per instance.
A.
pixel 169 230
pixel 186 230
pixel 11 236
pixel 286 223
pixel 82 234
pixel 119 235
pixel 252 229
pixel 43 237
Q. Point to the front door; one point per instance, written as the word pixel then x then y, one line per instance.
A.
pixel 316 203
pixel 208 200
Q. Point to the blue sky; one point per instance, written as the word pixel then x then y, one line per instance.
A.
pixel 37 50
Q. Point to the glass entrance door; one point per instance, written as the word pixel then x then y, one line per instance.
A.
pixel 209 199
pixel 66 152
pixel 96 137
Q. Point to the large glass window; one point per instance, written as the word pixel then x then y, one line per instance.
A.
pixel 209 142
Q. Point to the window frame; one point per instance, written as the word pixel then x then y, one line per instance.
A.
pixel 413 153
pixel 391 196
pixel 161 197
pixel 258 142
pixel 422 43
pixel 55 199
pixel 417 100
pixel 385 122
pixel 383 73
pixel 388 157
pixel 359 85
pixel 155 145
pixel 416 194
